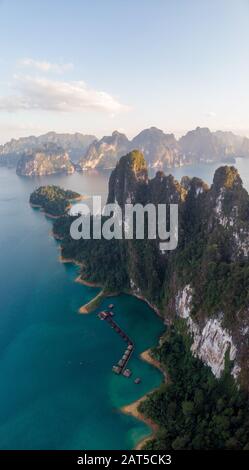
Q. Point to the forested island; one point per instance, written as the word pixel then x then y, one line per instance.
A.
pixel 53 200
pixel 201 291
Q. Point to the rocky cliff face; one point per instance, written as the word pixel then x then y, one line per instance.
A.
pixel 202 145
pixel 47 161
pixel 205 146
pixel 161 150
pixel 73 144
pixel 128 182
pixel 105 153
pixel 211 342
pixel 206 280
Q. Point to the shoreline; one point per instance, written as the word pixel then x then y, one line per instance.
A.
pixel 146 356
pixel 132 408
pixel 84 282
pixel 81 197
pixel 55 236
pixel 95 301
pixel 143 299
pixel 70 205
pixel 50 216
pixel 69 261
pixel 92 304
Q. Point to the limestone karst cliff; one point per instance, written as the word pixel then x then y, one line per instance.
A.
pixel 205 280
pixel 104 153
pixel 161 150
pixel 73 144
pixel 48 160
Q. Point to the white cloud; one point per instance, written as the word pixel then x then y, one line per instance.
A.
pixel 45 66
pixel 54 95
pixel 211 114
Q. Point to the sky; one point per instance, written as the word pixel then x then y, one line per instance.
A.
pixel 93 66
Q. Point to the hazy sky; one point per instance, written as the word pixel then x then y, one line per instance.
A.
pixel 94 66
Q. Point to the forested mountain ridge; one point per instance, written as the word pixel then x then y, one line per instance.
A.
pixel 205 280
pixel 201 291
pixel 74 144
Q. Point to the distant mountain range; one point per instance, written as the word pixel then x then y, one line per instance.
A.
pixel 161 150
pixel 74 144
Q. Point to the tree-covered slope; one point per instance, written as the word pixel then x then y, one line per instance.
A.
pixel 53 199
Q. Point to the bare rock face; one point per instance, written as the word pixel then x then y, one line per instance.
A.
pixel 202 145
pixel 73 144
pixel 160 150
pixel 230 210
pixel 211 341
pixel 104 153
pixel 129 183
pixel 47 161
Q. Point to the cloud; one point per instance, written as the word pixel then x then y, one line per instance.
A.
pixel 210 114
pixel 45 66
pixel 54 95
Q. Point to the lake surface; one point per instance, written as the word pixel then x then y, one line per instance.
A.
pixel 57 388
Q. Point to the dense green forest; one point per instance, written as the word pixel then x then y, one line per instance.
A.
pixel 195 410
pixel 103 260
pixel 53 199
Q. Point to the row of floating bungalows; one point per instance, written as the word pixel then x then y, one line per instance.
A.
pixel 120 367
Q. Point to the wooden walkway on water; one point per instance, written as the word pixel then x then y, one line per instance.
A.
pixel 121 366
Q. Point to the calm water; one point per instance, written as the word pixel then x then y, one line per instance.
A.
pixel 57 389
pixel 206 172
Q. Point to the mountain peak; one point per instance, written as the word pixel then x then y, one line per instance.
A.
pixel 227 177
pixel 128 179
pixel 134 160
pixel 118 134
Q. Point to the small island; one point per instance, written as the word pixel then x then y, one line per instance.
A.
pixel 53 200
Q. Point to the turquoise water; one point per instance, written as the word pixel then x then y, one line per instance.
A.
pixel 57 389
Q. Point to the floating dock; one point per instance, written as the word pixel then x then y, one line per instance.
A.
pixel 121 366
